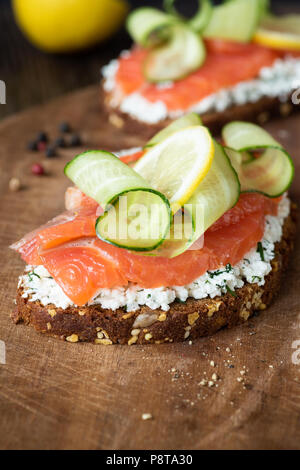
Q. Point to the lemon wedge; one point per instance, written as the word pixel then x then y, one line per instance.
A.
pixel 279 32
pixel 177 165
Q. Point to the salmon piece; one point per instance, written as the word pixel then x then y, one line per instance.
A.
pixel 76 199
pixel 226 65
pixel 27 247
pixel 82 268
pixel 133 157
pixel 66 227
pixel 248 204
pixel 107 266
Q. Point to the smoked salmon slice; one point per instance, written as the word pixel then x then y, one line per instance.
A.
pixel 107 266
pixel 82 268
pixel 226 65
pixel 66 227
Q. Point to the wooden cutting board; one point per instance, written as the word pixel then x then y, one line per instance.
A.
pixel 56 395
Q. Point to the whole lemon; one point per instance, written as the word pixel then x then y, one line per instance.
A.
pixel 69 25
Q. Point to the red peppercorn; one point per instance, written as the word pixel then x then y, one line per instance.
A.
pixel 41 146
pixel 37 169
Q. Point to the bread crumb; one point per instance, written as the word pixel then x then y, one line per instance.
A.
pixel 146 416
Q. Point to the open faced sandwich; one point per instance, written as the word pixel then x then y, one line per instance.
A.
pixel 235 61
pixel 166 243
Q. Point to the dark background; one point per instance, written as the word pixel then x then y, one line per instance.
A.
pixel 33 77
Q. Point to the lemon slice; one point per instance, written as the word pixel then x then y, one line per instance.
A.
pixel 177 165
pixel 279 32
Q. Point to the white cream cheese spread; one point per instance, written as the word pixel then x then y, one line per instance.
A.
pixel 38 284
pixel 277 81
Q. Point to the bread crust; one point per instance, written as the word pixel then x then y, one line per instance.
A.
pixel 260 112
pixel 184 321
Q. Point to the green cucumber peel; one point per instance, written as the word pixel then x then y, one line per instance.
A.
pixel 145 25
pixel 201 18
pixel 271 173
pixel 179 55
pixel 234 20
pixel 103 177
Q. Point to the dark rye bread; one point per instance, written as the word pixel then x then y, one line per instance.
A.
pixel 189 320
pixel 259 112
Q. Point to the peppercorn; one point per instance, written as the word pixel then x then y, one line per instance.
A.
pixel 41 146
pixel 51 152
pixel 75 140
pixel 60 142
pixel 64 127
pixel 42 137
pixel 32 145
pixel 37 169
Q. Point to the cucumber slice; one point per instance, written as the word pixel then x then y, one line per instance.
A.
pixel 203 16
pixel 143 23
pixel 188 120
pixel 234 20
pixel 139 220
pixel 199 20
pixel 218 192
pixel 272 172
pixel 127 221
pixel 182 54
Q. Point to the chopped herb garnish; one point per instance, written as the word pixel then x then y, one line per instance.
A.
pixel 212 274
pixel 256 277
pixel 246 259
pixel 228 268
pixel 181 301
pixel 260 250
pixel 32 273
pixel 230 291
pixel 148 296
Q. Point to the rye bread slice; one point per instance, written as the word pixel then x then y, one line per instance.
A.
pixel 189 320
pixel 260 112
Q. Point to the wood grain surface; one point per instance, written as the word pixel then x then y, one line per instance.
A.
pixel 56 395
